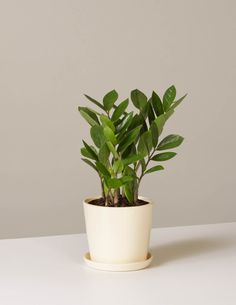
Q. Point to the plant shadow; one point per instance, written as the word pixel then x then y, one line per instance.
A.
pixel 186 248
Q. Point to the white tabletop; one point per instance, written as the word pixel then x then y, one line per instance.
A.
pixel 192 265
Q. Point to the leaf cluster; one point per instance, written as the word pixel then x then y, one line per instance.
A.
pixel 125 142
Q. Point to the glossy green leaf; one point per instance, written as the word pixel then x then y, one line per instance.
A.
pixel 137 120
pixel 129 187
pixel 129 138
pixel 125 123
pixel 155 134
pixel 87 153
pixel 112 149
pixel 90 164
pixel 168 114
pixel 94 101
pixel 164 156
pixel 102 170
pixel 145 143
pixel 119 110
pixel 89 116
pixel 170 141
pixel 109 135
pixel 115 183
pixel 154 169
pixel 151 115
pixel 143 165
pixel 126 179
pixel 139 99
pixel 169 97
pixel 144 128
pixel 157 104
pixel 129 151
pixel 97 135
pixel 179 101
pixel 118 166
pixel 103 154
pixel 132 159
pixel 107 122
pixel 148 139
pixel 160 122
pixel 129 193
pixel 110 99
pixel 90 151
pixel 142 148
pixel 144 112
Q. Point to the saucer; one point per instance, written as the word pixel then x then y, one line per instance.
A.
pixel 117 267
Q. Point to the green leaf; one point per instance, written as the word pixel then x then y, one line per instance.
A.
pixel 170 141
pixel 124 124
pixel 168 114
pixel 129 187
pixel 115 183
pixel 129 151
pixel 126 179
pixel 103 155
pixel 154 169
pixel 89 116
pixel 90 164
pixel 142 148
pixel 137 120
pixel 118 166
pixel 139 99
pixel 94 101
pixel 110 99
pixel 132 159
pixel 129 139
pixel 157 104
pixel 164 156
pixel 169 97
pixel 97 135
pixel 146 139
pixel 151 115
pixel 120 110
pixel 109 135
pixel 129 194
pixel 87 153
pixel 176 103
pixel 160 122
pixel 102 170
pixel 107 122
pixel 129 171
pixel 90 151
pixel 155 135
pixel 145 111
pixel 143 165
pixel 112 149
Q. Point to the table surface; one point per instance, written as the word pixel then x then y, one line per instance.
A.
pixel 192 265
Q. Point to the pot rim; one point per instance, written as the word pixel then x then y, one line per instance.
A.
pixel 149 202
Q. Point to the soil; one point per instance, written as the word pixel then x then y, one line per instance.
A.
pixel 123 202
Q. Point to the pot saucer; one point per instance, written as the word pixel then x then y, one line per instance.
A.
pixel 117 267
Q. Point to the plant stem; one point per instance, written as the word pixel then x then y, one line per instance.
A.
pixel 148 160
pixel 102 186
pixel 116 196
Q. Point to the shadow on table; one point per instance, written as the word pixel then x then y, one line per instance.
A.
pixel 185 248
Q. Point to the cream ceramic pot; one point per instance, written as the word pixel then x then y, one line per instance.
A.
pixel 118 235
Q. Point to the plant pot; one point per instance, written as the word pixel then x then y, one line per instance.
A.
pixel 118 235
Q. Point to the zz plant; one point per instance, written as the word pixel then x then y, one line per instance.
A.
pixel 128 142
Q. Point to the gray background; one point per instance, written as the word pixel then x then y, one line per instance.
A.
pixel 54 51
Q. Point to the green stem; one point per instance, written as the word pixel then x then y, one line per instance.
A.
pixel 148 160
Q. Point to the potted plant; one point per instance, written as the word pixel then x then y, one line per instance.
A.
pixel 127 145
